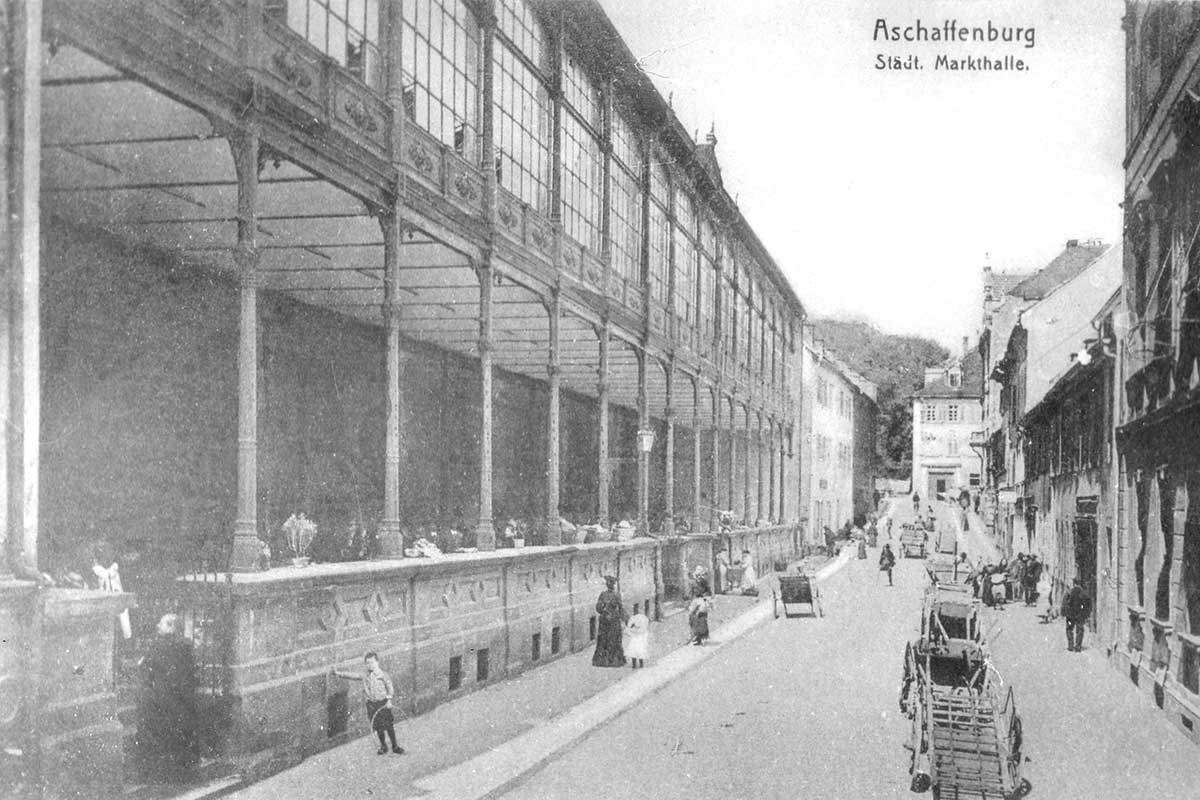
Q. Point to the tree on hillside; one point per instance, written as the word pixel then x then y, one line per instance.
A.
pixel 894 363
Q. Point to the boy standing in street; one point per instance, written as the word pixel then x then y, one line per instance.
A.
pixel 378 692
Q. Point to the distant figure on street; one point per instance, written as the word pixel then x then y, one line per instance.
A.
pixel 1033 573
pixel 378 692
pixel 1075 610
pixel 830 541
pixel 638 631
pixel 887 561
pixel 612 617
pixel 719 585
pixel 916 504
pixel 166 739
pixel 962 568
pixel 698 618
pixel 1016 574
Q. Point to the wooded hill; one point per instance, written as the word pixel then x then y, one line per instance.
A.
pixel 894 363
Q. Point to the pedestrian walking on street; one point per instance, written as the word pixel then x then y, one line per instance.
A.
pixel 638 641
pixel 378 691
pixel 887 561
pixel 1016 574
pixel 1033 573
pixel 1075 609
pixel 698 618
pixel 612 617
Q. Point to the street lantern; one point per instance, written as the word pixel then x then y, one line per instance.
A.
pixel 645 438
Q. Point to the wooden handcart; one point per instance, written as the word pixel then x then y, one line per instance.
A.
pixel 796 591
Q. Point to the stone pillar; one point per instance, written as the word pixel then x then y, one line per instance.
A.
pixel 769 456
pixel 391 540
pixel 747 512
pixel 553 368
pixel 760 453
pixel 717 402
pixel 732 456
pixel 602 411
pixel 20 244
pixel 643 459
pixel 485 533
pixel 669 487
pixel 783 507
pixel 697 461
pixel 246 544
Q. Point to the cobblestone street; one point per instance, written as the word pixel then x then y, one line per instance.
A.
pixel 807 708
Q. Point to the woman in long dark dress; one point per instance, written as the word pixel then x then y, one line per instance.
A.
pixel 166 734
pixel 612 618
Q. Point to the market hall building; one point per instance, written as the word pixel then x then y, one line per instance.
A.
pixel 406 266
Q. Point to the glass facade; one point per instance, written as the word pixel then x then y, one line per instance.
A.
pixel 660 233
pixel 442 72
pixel 685 257
pixel 582 182
pixel 523 121
pixel 520 27
pixel 685 277
pixel 626 224
pixel 345 30
pixel 440 46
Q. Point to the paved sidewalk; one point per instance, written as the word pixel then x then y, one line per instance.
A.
pixel 475 745
pixel 1088 730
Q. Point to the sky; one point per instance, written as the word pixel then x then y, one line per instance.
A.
pixel 883 193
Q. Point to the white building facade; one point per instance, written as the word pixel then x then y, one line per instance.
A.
pixel 947 411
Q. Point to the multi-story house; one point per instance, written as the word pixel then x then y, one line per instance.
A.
pixel 947 412
pixel 1158 530
pixel 839 421
pixel 1027 325
pixel 1070 465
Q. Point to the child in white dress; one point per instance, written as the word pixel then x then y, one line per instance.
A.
pixel 638 632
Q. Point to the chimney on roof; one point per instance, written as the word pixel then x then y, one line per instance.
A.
pixel 964 348
pixel 712 134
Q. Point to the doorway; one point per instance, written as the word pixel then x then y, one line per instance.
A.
pixel 1085 560
pixel 939 485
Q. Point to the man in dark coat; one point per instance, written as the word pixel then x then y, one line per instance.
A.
pixel 1033 573
pixel 1076 606
pixel 887 561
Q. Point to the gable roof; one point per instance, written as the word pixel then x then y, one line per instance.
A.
pixel 1004 282
pixel 1074 258
pixel 970 387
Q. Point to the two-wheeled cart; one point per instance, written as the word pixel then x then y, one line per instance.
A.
pixel 796 591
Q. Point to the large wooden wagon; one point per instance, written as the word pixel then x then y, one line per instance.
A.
pixel 965 732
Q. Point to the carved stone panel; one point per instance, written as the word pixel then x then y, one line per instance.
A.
pixel 215 23
pixel 464 184
pixel 423 154
pixel 360 111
